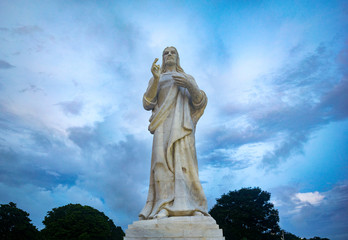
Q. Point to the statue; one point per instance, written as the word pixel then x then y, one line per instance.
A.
pixel 177 104
pixel 176 207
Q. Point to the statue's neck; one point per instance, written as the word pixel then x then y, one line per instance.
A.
pixel 171 68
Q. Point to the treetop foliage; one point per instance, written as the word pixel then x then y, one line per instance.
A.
pixel 77 222
pixel 290 236
pixel 15 224
pixel 247 213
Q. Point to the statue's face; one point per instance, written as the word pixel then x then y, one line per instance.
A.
pixel 170 56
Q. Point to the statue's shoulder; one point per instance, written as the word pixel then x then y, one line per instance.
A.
pixel 188 76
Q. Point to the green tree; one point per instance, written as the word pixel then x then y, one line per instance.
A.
pixel 15 224
pixel 247 214
pixel 317 238
pixel 77 222
pixel 290 236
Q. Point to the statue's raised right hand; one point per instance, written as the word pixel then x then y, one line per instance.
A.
pixel 155 69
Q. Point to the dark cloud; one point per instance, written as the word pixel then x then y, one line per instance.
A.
pixel 27 29
pixel 43 140
pixel 335 103
pixel 83 137
pixel 39 157
pixel 225 137
pixel 31 88
pixel 129 160
pixel 292 145
pixel 18 169
pixel 327 218
pixel 307 70
pixel 316 95
pixel 5 65
pixel 117 171
pixel 32 38
pixel 119 156
pixel 319 89
pixel 39 166
pixel 71 107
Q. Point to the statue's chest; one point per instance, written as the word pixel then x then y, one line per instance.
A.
pixel 166 80
pixel 165 83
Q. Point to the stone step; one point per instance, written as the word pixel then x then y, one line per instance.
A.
pixel 174 232
pixel 175 228
pixel 192 238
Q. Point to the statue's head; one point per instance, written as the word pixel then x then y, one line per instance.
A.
pixel 170 57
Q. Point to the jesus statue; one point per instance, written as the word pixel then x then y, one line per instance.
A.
pixel 176 103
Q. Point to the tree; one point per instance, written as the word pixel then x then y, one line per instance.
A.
pixel 290 236
pixel 317 238
pixel 247 214
pixel 15 224
pixel 77 222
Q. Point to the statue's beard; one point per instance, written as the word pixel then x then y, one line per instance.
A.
pixel 170 63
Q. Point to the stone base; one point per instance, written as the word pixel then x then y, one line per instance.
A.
pixel 174 228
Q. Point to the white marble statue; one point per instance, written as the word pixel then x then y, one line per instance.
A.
pixel 177 104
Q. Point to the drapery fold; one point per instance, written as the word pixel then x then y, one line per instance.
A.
pixel 174 182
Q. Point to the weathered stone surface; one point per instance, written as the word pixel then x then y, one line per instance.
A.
pixel 199 227
pixel 176 103
pixel 176 206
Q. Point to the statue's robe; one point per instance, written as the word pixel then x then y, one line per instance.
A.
pixel 174 182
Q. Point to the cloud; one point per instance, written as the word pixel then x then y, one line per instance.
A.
pixel 5 65
pixel 118 171
pixel 313 198
pixel 86 166
pixel 284 109
pixel 71 107
pixel 315 213
pixel 85 145
pixel 31 88
pixel 335 102
pixel 37 161
pixel 32 153
pixel 27 29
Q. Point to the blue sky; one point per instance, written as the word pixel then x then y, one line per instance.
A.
pixel 73 130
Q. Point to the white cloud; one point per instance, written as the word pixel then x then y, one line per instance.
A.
pixel 302 200
pixel 314 198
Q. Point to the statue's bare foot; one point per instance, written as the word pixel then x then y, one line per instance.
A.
pixel 141 217
pixel 162 214
pixel 198 214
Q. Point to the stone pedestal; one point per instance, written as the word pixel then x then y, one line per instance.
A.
pixel 174 228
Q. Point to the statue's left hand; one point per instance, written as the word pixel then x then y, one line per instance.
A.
pixel 181 81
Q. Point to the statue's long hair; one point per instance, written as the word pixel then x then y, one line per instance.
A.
pixel 178 67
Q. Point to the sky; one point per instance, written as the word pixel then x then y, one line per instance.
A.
pixel 73 129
